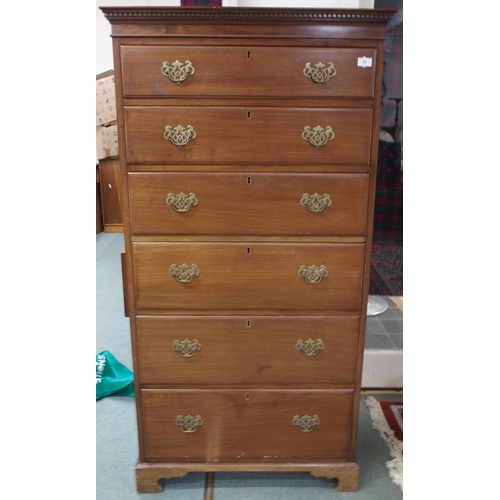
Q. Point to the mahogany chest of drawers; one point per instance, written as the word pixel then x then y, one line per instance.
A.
pixel 248 145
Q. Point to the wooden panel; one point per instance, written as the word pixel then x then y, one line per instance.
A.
pixel 246 425
pixel 109 170
pixel 99 226
pixel 228 135
pixel 247 350
pixel 248 204
pixel 248 276
pixel 246 71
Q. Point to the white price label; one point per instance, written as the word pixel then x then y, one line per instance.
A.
pixel 365 62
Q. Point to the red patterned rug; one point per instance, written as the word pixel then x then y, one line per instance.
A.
pixel 387 418
pixel 393 412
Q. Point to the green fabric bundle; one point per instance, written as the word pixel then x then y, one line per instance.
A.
pixel 112 377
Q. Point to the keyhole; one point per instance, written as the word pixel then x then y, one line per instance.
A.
pixel 249 115
pixel 247 396
pixel 249 54
pixel 249 323
pixel 249 180
pixel 249 250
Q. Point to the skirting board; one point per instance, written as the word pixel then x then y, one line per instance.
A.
pixel 382 369
pixel 113 228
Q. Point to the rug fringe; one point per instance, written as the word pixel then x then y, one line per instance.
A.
pixel 379 423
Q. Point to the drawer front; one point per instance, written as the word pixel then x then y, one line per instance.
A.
pixel 247 350
pixel 238 135
pixel 248 276
pixel 246 425
pixel 248 204
pixel 246 71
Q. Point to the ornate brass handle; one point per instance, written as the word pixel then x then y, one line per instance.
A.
pixel 318 136
pixel 186 348
pixel 184 273
pixel 315 203
pixel 188 423
pixel 305 423
pixel 313 274
pixel 177 72
pixel 309 347
pixel 179 136
pixel 182 202
pixel 321 73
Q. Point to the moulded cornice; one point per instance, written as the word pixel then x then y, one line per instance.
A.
pixel 241 14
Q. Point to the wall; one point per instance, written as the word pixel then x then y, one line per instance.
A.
pixel 104 51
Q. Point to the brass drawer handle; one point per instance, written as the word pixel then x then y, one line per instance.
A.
pixel 313 274
pixel 188 423
pixel 179 136
pixel 184 273
pixel 321 73
pixel 318 136
pixel 181 202
pixel 309 347
pixel 177 72
pixel 305 423
pixel 315 203
pixel 186 348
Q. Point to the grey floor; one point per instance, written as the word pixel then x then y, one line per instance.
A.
pixel 116 442
pixel 385 331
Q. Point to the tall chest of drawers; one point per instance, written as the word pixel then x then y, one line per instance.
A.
pixel 248 146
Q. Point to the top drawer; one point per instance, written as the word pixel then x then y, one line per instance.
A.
pixel 247 71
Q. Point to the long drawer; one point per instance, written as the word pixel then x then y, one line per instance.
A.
pixel 248 204
pixel 246 425
pixel 248 276
pixel 247 71
pixel 247 135
pixel 247 350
